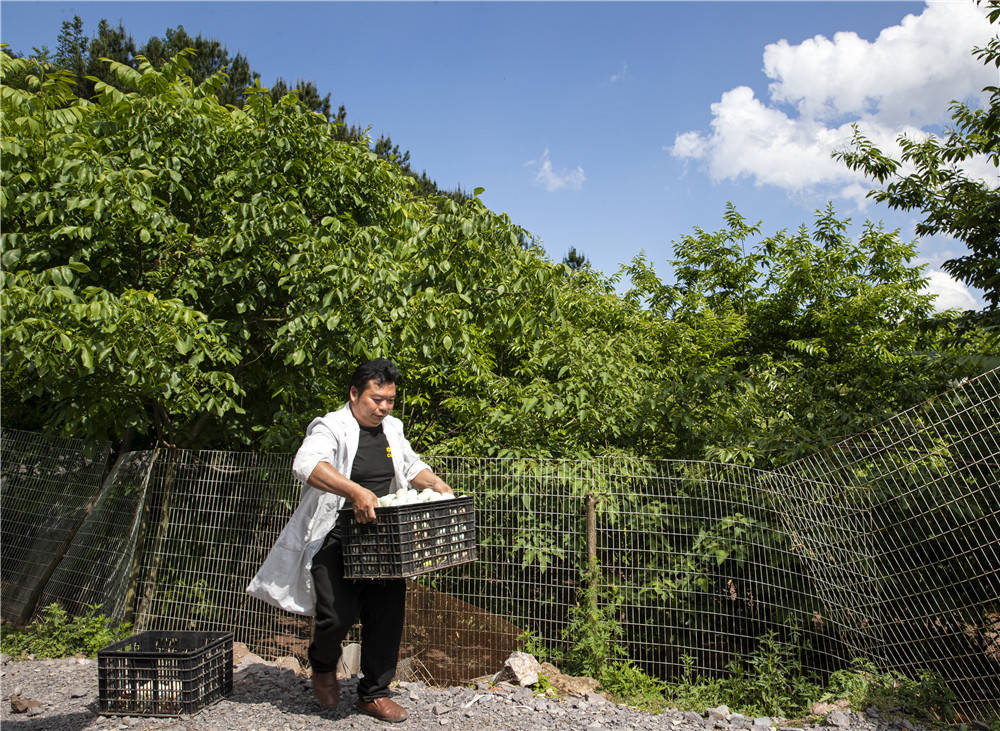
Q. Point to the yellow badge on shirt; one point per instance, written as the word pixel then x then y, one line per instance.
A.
pixel 388 452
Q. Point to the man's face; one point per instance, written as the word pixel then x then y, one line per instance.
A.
pixel 373 404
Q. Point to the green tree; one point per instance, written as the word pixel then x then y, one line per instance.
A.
pixel 575 260
pixel 208 275
pixel 951 201
pixel 791 341
pixel 72 50
pixel 209 58
pixel 109 43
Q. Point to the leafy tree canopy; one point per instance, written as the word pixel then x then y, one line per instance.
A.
pixel 208 275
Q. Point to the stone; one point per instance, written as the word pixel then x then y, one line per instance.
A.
pixel 36 711
pixel 719 713
pixel 521 668
pixel 838 718
pixel 762 722
pixel 350 662
pixel 577 685
pixel 596 699
pixel 22 705
pixel 240 651
pixel 439 709
pixel 289 663
pixel 249 660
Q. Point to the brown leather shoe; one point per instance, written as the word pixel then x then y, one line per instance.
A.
pixel 326 688
pixel 384 710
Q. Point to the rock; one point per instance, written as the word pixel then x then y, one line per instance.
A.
pixel 692 717
pixel 577 685
pixel 289 663
pixel 521 668
pixel 350 663
pixel 905 723
pixel 439 709
pixel 719 713
pixel 838 718
pixel 22 705
pixel 249 660
pixel 4 659
pixel 36 711
pixel 240 651
pixel 762 722
pixel 738 720
pixel 596 699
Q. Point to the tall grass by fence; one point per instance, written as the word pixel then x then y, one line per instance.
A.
pixel 885 546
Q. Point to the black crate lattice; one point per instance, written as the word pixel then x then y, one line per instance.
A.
pixel 165 673
pixel 409 540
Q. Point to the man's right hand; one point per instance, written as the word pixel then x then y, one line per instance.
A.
pixel 365 503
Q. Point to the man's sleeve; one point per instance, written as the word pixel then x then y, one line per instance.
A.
pixel 319 445
pixel 412 464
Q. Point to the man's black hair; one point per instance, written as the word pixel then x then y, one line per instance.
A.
pixel 380 370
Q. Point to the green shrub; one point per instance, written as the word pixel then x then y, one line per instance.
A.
pixel 54 634
pixel 629 684
pixel 593 629
pixel 928 697
pixel 771 682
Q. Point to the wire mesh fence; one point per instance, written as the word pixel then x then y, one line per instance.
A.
pixel 46 486
pixel 885 546
pixel 919 589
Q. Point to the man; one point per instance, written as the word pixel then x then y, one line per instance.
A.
pixel 348 459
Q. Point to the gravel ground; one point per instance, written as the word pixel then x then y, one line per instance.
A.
pixel 269 697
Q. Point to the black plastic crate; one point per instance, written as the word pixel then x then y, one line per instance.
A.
pixel 164 673
pixel 409 540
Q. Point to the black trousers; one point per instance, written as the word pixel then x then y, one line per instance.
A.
pixel 380 604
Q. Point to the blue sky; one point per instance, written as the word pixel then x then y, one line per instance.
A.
pixel 612 127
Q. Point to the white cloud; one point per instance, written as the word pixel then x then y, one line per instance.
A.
pixel 621 74
pixel 897 84
pixel 950 293
pixel 552 179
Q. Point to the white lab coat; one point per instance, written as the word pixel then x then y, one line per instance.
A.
pixel 284 579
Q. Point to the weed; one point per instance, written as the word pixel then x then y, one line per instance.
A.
pixel 593 629
pixel 532 644
pixel 54 634
pixel 629 684
pixel 928 697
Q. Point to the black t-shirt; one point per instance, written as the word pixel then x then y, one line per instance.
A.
pixel 372 466
pixel 372 469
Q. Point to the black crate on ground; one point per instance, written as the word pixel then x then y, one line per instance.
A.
pixel 409 540
pixel 164 673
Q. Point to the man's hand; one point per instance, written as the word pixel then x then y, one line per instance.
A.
pixel 426 478
pixel 365 503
